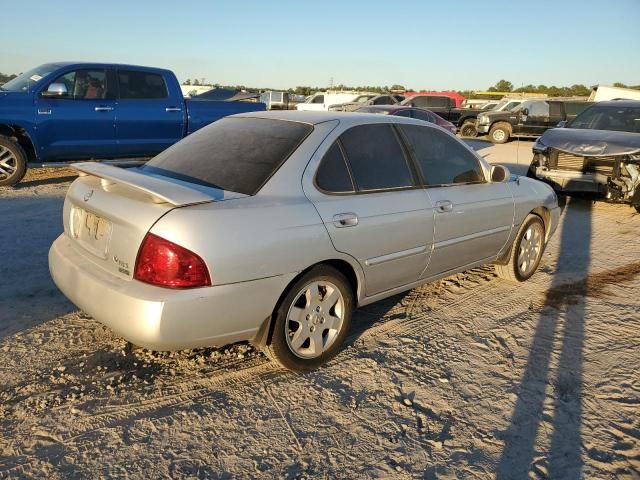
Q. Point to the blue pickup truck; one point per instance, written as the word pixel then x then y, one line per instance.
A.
pixel 78 111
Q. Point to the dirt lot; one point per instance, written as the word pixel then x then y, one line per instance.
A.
pixel 468 377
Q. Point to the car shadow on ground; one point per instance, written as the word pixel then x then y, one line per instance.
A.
pixel 45 181
pixel 561 321
pixel 28 227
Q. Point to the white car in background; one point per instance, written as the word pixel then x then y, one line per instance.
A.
pixel 321 101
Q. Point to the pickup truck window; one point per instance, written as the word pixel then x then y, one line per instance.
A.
pixel 234 154
pixel 26 80
pixel 442 160
pixel 84 84
pixel 141 85
pixel 318 99
pixel 539 109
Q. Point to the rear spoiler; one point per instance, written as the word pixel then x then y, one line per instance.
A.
pixel 162 191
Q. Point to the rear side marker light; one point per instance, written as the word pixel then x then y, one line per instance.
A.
pixel 164 264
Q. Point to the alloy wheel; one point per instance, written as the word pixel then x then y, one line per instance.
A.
pixel 8 163
pixel 314 319
pixel 530 249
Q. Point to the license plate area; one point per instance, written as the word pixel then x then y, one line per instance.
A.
pixel 92 232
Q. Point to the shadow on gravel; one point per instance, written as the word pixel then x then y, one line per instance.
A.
pixel 45 181
pixel 566 297
pixel 29 297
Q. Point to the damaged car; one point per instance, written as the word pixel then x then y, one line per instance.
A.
pixel 597 152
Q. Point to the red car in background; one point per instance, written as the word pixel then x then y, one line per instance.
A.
pixel 411 112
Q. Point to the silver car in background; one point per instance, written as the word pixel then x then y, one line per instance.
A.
pixel 273 227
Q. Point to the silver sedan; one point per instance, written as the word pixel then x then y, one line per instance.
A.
pixel 273 227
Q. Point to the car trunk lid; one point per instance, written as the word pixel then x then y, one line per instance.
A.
pixel 109 210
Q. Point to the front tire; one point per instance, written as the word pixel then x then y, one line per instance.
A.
pixel 526 251
pixel 13 162
pixel 312 321
pixel 500 132
pixel 468 129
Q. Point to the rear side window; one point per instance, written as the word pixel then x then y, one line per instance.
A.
pixel 234 154
pixel 425 116
pixel 441 159
pixel 385 100
pixel 376 158
pixel 333 175
pixel 141 85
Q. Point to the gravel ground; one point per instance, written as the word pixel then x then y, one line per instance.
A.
pixel 467 377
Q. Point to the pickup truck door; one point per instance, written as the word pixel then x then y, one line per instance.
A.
pixel 473 216
pixel 537 119
pixel 151 116
pixel 79 124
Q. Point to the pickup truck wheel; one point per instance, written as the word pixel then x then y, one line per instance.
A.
pixel 312 321
pixel 637 208
pixel 500 133
pixel 468 129
pixel 13 162
pixel 526 251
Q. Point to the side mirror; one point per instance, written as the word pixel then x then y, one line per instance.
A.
pixel 562 124
pixel 55 90
pixel 499 174
pixel 524 112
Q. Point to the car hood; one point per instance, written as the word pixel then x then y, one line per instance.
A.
pixel 588 142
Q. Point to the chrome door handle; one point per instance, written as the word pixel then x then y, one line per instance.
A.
pixel 444 206
pixel 103 109
pixel 172 109
pixel 342 220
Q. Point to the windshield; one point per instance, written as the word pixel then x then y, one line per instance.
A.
pixel 233 154
pixel 26 80
pixel 600 117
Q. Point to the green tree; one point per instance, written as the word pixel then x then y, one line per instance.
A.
pixel 502 86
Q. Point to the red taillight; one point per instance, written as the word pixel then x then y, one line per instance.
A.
pixel 165 264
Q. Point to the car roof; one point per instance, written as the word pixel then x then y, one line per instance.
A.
pixel 104 65
pixel 314 118
pixel 619 103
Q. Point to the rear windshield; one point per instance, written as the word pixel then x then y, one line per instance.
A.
pixel 233 154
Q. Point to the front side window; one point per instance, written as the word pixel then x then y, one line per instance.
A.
pixel 539 109
pixel 385 100
pixel 141 85
pixel 318 99
pixel 442 160
pixel 84 84
pixel 376 158
pixel 333 175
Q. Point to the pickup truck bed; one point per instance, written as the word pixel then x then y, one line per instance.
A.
pixel 79 111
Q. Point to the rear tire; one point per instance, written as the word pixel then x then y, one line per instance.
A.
pixel 526 251
pixel 312 320
pixel 13 162
pixel 500 132
pixel 468 129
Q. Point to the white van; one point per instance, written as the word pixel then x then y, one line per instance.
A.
pixel 323 100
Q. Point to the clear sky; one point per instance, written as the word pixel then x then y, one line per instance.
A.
pixel 461 44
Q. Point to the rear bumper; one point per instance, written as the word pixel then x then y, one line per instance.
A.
pixel 159 318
